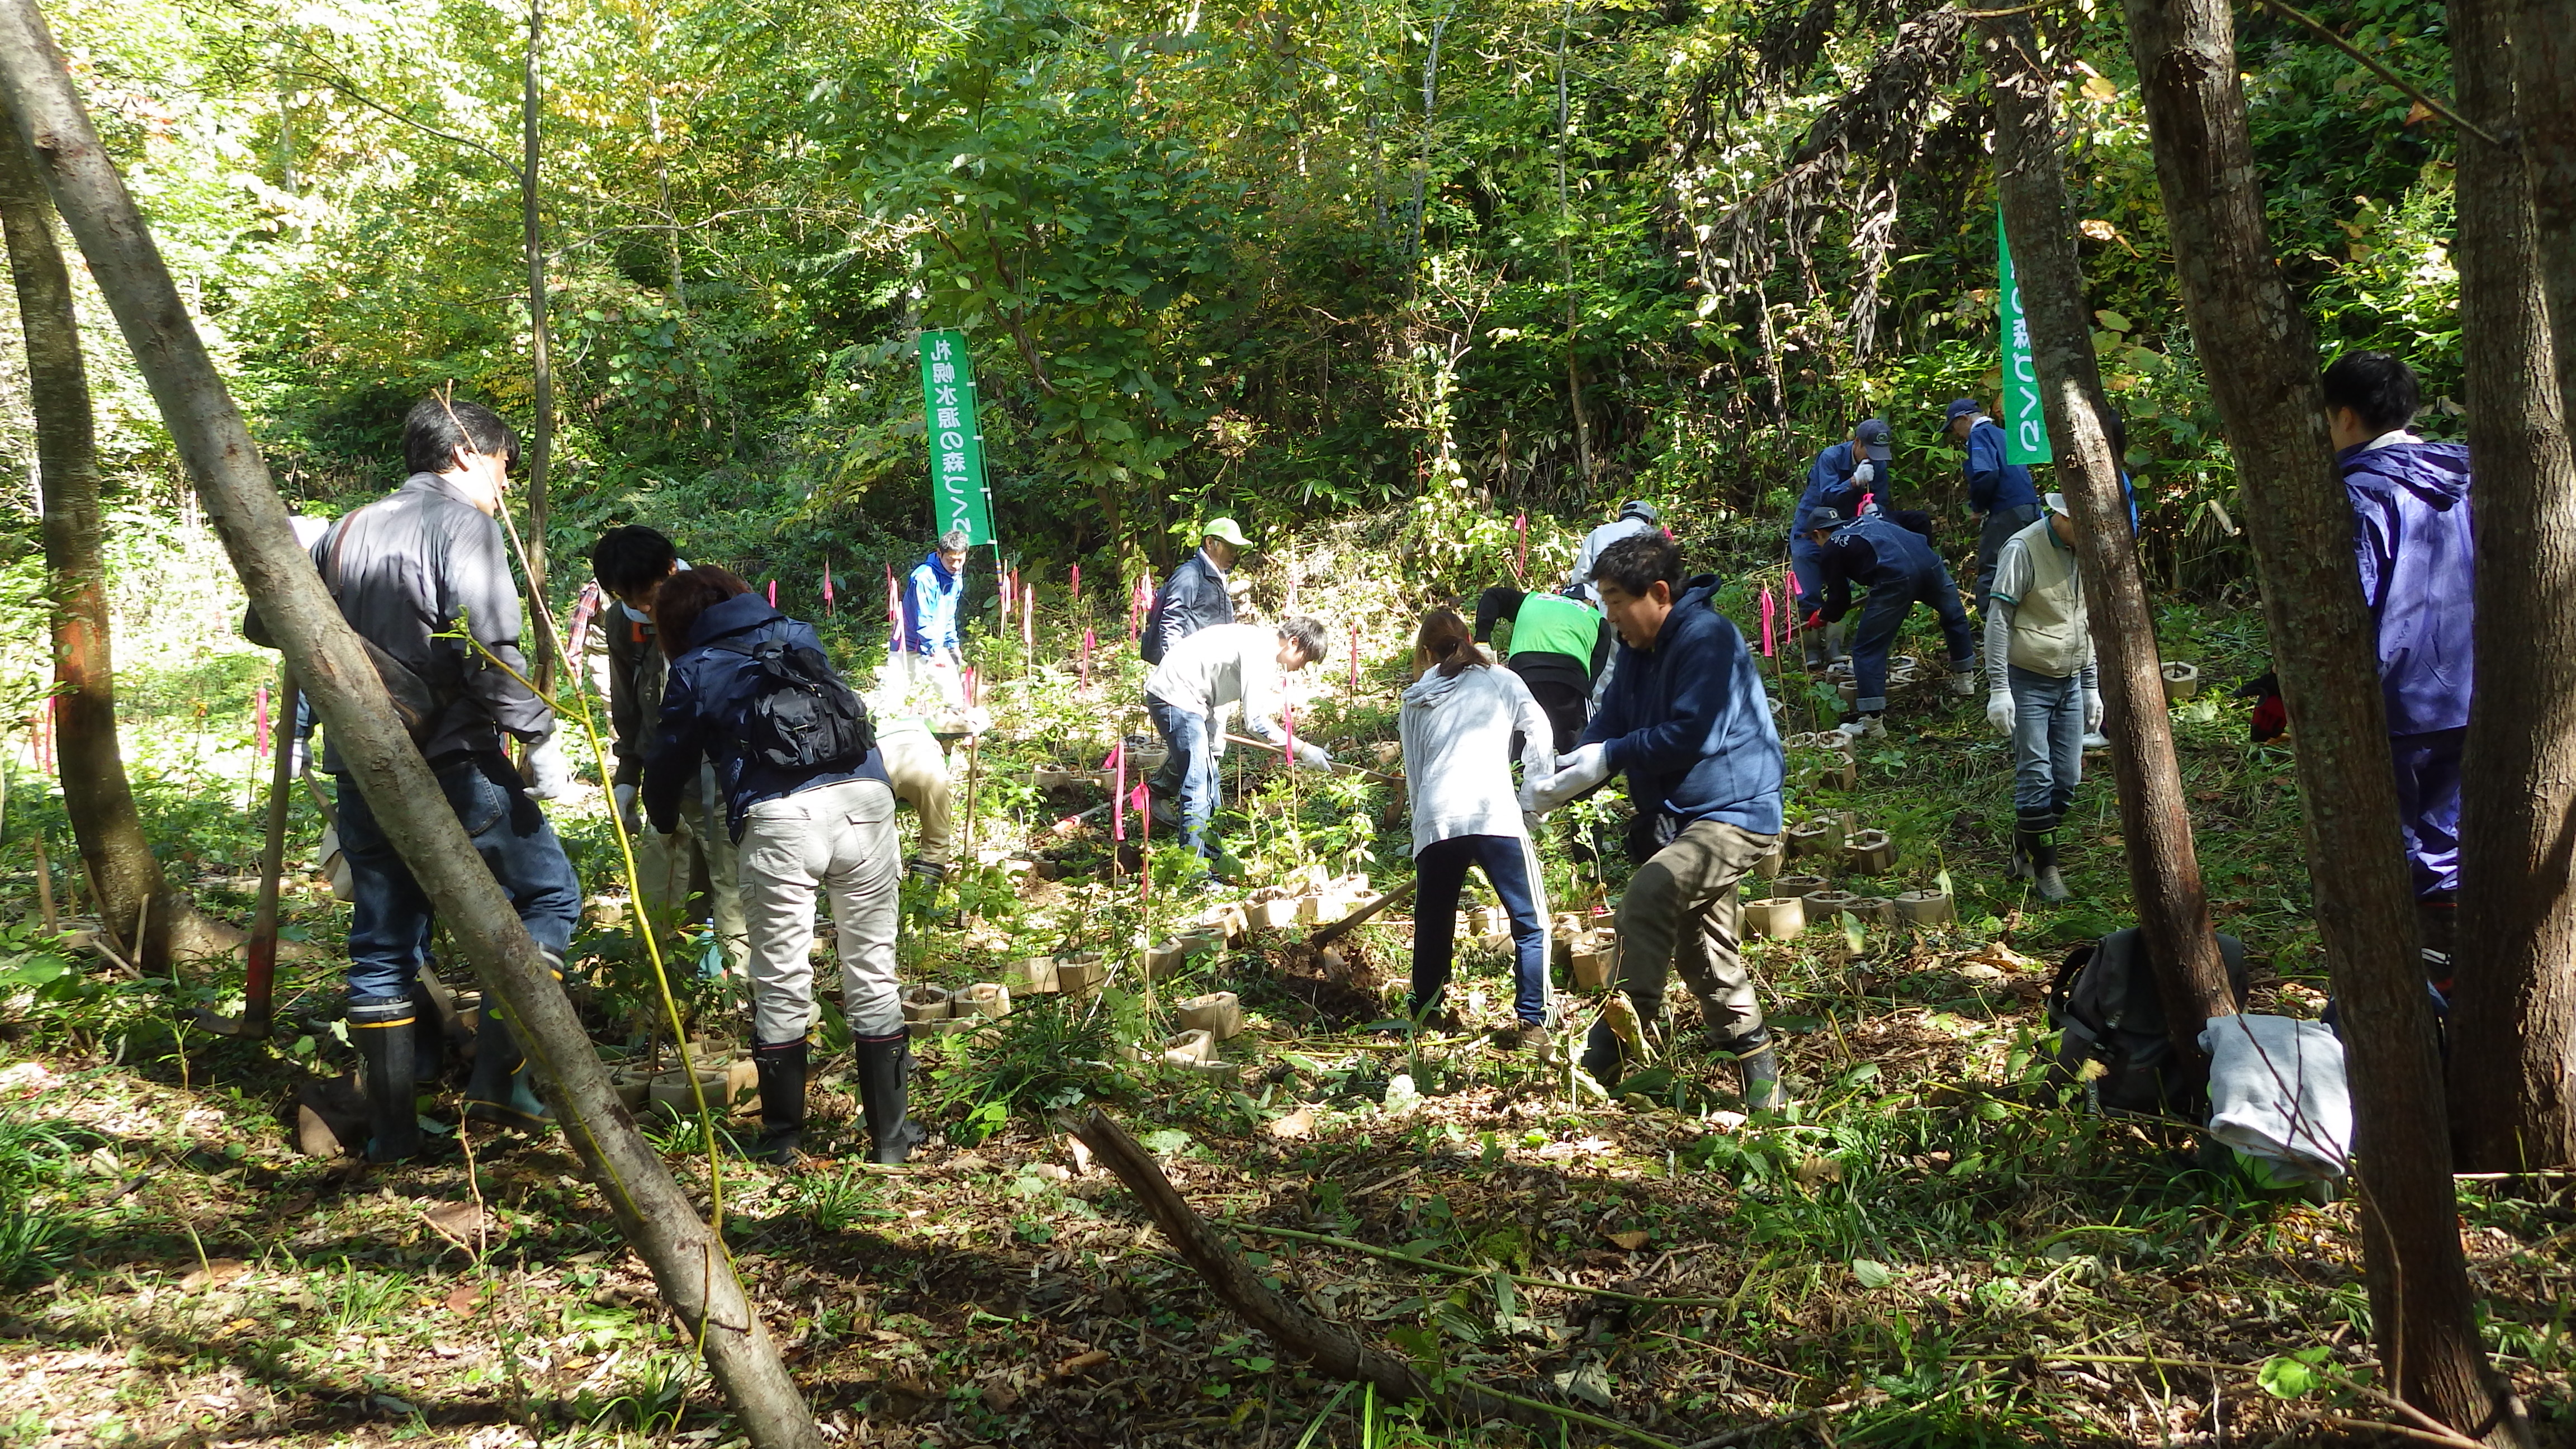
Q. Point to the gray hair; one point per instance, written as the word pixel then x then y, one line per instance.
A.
pixel 956 540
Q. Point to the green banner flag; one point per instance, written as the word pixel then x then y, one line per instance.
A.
pixel 957 493
pixel 2025 422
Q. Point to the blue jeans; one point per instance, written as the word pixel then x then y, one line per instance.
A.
pixel 1881 614
pixel 2428 806
pixel 2048 740
pixel 389 923
pixel 1193 764
pixel 1439 869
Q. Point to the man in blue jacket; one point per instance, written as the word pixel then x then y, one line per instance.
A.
pixel 1840 478
pixel 1684 715
pixel 2413 540
pixel 928 643
pixel 1900 570
pixel 1999 490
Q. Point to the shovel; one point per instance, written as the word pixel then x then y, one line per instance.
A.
pixel 260 982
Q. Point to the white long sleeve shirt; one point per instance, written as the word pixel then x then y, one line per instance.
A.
pixel 1457 752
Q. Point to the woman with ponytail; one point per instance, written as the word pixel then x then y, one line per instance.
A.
pixel 1459 722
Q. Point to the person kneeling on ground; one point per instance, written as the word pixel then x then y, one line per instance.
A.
pixel 1457 723
pixel 1900 570
pixel 808 804
pixel 1686 718
pixel 1217 666
pixel 2041 687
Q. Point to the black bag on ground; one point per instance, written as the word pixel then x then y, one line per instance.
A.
pixel 2113 1043
pixel 802 717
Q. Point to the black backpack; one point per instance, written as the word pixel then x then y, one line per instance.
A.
pixel 801 717
pixel 2112 1022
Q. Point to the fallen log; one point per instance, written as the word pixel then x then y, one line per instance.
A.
pixel 1347 924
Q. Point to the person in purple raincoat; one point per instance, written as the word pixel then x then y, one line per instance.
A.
pixel 2413 537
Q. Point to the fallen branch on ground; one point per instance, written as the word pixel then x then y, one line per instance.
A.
pixel 1463 1271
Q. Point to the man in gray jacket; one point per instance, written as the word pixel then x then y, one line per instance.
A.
pixel 422 561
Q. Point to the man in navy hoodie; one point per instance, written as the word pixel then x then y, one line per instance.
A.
pixel 1685 717
pixel 1998 489
pixel 2413 540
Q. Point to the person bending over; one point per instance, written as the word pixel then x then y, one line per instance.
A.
pixel 1215 667
pixel 1900 570
pixel 1558 646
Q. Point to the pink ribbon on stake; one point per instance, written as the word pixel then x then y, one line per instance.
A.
pixel 1087 646
pixel 827 583
pixel 1077 583
pixel 1118 791
pixel 1355 659
pixel 1768 607
pixel 773 593
pixel 1029 620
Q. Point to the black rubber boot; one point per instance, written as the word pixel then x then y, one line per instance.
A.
pixel 380 1027
pixel 885 1064
pixel 501 1091
pixel 1758 1063
pixel 781 1066
pixel 2035 841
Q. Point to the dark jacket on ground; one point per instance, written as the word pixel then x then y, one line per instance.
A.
pixel 1193 598
pixel 1579 671
pixel 1992 482
pixel 2413 539
pixel 636 671
pixel 1689 723
pixel 1873 552
pixel 411 565
pixel 704 707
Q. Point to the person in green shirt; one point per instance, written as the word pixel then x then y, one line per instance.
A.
pixel 1558 646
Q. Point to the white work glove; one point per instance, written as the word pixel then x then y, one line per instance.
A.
pixel 1313 756
pixel 1862 473
pixel 2092 711
pixel 1999 709
pixel 624 795
pixel 548 773
pixel 1588 766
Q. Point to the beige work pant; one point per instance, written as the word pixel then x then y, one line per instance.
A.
pixel 919 768
pixel 834 839
pixel 696 859
pixel 1682 912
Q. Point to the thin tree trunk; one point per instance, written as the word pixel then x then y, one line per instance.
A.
pixel 2164 869
pixel 2513 1009
pixel 690 1264
pixel 2262 367
pixel 541 441
pixel 96 794
pixel 2544 60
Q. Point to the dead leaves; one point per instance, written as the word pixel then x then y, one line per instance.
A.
pixel 214 1274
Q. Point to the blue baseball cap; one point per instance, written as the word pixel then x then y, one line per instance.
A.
pixel 1875 439
pixel 1960 408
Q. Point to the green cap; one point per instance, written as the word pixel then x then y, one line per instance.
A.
pixel 1225 528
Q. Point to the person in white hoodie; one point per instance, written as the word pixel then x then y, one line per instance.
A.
pixel 1457 725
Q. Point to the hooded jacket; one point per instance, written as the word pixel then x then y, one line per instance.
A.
pixel 930 607
pixel 2413 537
pixel 705 703
pixel 1689 723
pixel 1457 736
pixel 411 565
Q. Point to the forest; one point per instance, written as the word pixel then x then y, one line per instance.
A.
pixel 1374 318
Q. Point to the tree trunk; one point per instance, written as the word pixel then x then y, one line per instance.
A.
pixel 95 793
pixel 2513 1007
pixel 541 440
pixel 2164 869
pixel 2544 60
pixel 689 1262
pixel 2262 366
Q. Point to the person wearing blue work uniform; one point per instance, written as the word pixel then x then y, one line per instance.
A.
pixel 2413 538
pixel 1999 490
pixel 1840 478
pixel 928 643
pixel 803 825
pixel 1900 570
pixel 1685 717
